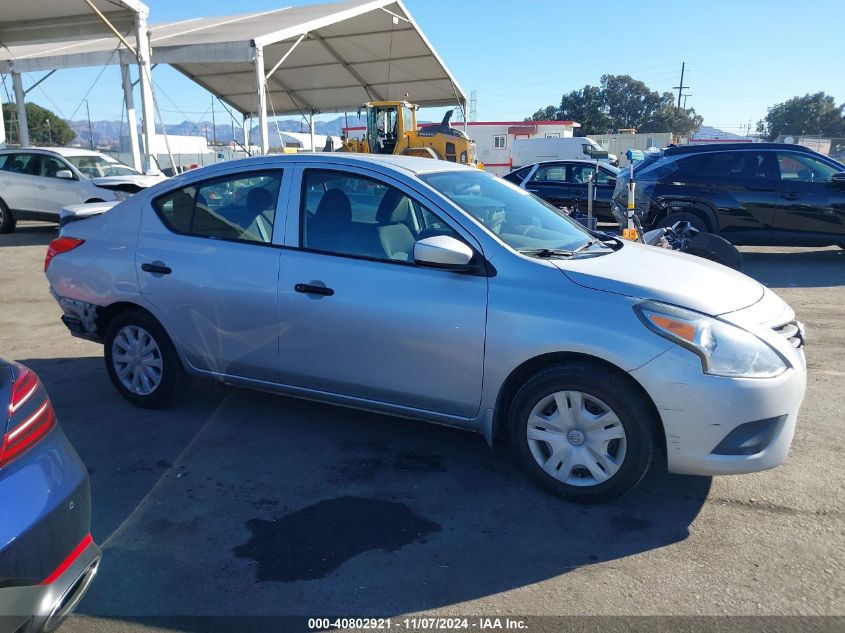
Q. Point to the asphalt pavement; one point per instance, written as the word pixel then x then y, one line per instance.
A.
pixel 238 503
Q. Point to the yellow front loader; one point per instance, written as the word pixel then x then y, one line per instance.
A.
pixel 392 129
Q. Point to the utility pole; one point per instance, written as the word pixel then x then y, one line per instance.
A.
pixel 90 129
pixel 680 88
pixel 685 100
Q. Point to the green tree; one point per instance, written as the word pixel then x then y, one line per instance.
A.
pixel 624 102
pixel 549 113
pixel 811 114
pixel 587 107
pixel 56 132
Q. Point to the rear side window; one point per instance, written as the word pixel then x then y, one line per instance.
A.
pixel 554 173
pixel 21 164
pixel 241 207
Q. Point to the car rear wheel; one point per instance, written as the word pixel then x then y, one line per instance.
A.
pixel 582 432
pixel 142 362
pixel 679 216
pixel 7 221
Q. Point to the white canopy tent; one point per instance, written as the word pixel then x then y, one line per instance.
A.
pixel 37 35
pixel 317 58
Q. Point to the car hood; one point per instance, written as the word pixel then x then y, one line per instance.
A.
pixel 649 272
pixel 141 180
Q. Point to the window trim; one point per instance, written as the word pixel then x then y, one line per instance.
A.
pixel 504 138
pixel 198 184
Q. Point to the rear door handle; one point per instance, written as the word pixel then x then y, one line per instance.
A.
pixel 156 268
pixel 790 196
pixel 310 289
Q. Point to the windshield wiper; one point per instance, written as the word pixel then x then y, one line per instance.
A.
pixel 546 252
pixel 585 245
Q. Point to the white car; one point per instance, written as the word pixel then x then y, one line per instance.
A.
pixel 35 183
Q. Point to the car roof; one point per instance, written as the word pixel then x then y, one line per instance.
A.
pixel 61 151
pixel 722 147
pixel 410 164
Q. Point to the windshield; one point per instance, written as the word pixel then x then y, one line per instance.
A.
pixel 99 166
pixel 515 216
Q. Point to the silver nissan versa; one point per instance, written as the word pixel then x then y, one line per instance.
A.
pixel 434 291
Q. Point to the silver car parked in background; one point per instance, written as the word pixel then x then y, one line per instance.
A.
pixel 439 292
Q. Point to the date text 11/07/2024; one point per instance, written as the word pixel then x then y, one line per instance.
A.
pixel 419 624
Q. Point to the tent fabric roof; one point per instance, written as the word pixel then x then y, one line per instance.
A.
pixel 353 52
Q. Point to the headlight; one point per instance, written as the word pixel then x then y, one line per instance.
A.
pixel 724 349
pixel 120 195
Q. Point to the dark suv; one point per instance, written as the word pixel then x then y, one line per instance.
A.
pixel 749 193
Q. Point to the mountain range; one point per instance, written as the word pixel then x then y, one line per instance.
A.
pixel 110 133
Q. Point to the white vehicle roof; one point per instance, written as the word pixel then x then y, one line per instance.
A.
pixel 62 151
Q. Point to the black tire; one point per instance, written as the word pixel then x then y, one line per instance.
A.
pixel 613 389
pixel 7 220
pixel 173 378
pixel 680 216
pixel 716 249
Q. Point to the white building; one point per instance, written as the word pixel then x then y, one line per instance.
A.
pixel 494 139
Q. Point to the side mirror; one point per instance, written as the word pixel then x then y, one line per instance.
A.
pixel 838 177
pixel 442 251
pixel 66 174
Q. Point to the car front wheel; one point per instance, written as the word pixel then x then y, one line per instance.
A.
pixel 142 362
pixel 582 432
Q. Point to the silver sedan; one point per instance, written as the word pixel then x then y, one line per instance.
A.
pixel 434 291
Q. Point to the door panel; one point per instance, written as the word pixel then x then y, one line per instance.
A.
pixel 17 181
pixel 384 329
pixel 51 193
pixel 808 202
pixel 219 300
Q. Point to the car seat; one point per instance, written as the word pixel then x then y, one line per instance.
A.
pixel 394 235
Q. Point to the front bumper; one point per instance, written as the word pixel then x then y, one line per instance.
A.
pixel 700 411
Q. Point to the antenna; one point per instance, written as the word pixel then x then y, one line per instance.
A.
pixel 473 105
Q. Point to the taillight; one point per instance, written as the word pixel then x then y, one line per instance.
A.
pixel 60 245
pixel 31 416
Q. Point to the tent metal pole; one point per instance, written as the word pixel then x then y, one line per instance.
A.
pixel 23 126
pixel 2 129
pixel 311 130
pixel 131 118
pixel 247 140
pixel 261 87
pixel 146 85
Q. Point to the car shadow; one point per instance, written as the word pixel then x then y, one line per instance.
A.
pixel 30 234
pixel 244 503
pixel 805 268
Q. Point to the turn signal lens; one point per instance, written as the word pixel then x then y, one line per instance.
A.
pixel 683 329
pixel 61 245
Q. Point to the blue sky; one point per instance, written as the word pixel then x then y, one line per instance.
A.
pixel 742 55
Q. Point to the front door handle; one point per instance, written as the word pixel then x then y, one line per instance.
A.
pixel 156 268
pixel 790 196
pixel 310 289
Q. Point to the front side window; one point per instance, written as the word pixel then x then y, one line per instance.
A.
pixel 500 141
pixel 516 217
pixel 580 174
pixel 347 214
pixel 50 166
pixel 798 168
pixel 240 207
